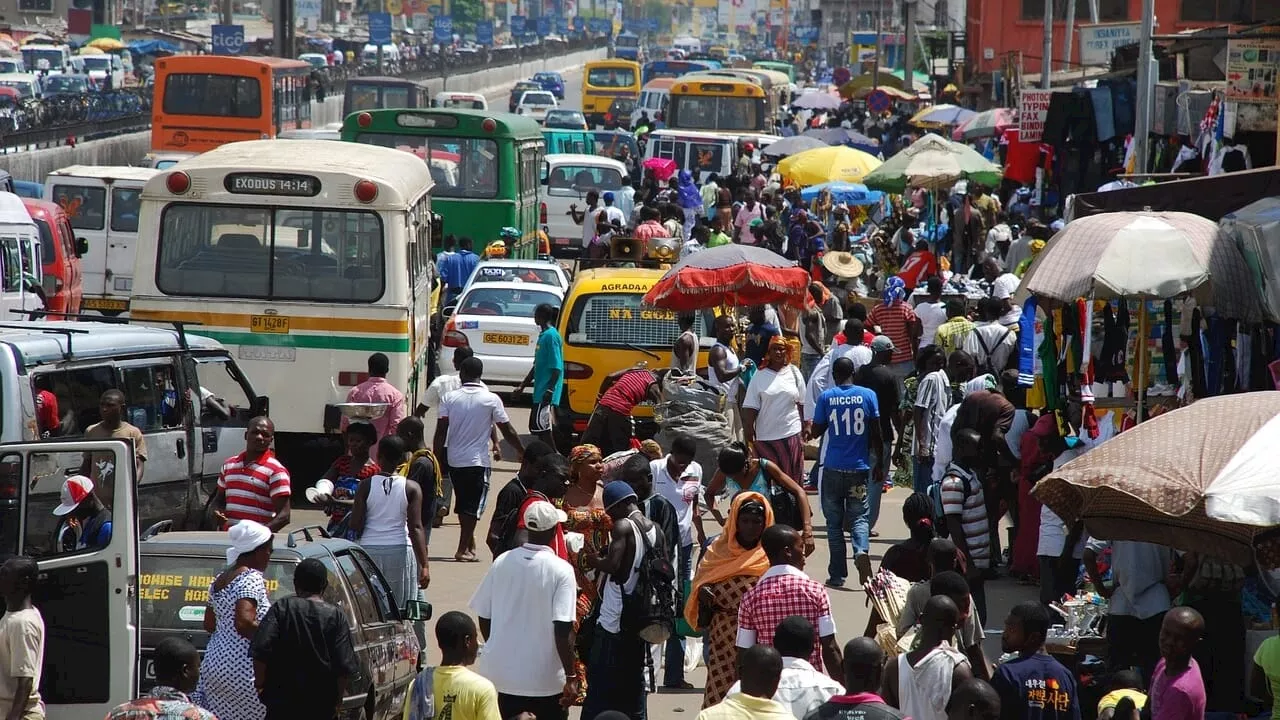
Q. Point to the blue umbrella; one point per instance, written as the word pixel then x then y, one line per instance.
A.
pixel 845 136
pixel 843 192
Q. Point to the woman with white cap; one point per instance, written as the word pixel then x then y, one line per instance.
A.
pixel 237 603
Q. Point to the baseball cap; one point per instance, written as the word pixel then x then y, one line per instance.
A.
pixel 617 491
pixel 881 343
pixel 541 516
pixel 608 197
pixel 74 490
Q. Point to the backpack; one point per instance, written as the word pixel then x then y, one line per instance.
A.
pixel 935 499
pixel 649 610
pixel 986 351
pixel 438 489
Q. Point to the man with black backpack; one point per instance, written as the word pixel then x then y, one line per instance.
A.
pixel 991 344
pixel 637 599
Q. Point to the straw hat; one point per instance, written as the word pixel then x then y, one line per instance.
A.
pixel 842 264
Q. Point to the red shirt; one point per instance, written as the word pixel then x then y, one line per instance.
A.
pixel 47 417
pixel 628 392
pixel 895 322
pixel 918 268
pixel 867 337
pixel 251 486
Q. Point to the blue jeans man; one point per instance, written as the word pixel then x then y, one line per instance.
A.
pixel 844 501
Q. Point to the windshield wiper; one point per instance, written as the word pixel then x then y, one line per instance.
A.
pixel 639 349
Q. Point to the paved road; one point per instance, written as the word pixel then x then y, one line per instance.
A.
pixel 572 92
pixel 452 583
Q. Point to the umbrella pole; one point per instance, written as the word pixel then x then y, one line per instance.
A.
pixel 1140 357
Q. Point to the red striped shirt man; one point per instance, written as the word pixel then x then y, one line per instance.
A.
pixel 254 485
pixel 899 322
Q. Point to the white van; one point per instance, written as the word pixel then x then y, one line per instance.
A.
pixel 653 100
pixel 21 267
pixel 47 58
pixel 27 84
pixel 12 65
pixel 103 204
pixel 52 378
pixel 464 100
pixel 390 54
pixel 104 68
pixel 566 179
pixel 701 153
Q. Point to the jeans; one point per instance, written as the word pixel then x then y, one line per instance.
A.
pixel 844 497
pixel 922 474
pixel 807 364
pixel 674 661
pixel 616 675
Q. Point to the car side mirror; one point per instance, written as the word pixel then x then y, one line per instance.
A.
pixel 417 610
pixel 82 247
pixel 448 311
pixel 261 406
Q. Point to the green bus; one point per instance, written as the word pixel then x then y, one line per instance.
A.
pixel 783 67
pixel 486 167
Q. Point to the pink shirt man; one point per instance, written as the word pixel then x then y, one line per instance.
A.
pixel 378 390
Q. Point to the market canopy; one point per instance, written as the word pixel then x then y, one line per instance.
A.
pixel 1212 197
pixel 1171 481
pixel 932 162
pixel 1145 255
pixel 153 47
pixel 737 275
pixel 944 115
pixel 988 123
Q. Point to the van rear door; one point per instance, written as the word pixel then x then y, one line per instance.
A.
pixel 87 590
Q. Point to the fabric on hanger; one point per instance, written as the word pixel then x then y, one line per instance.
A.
pixel 1049 360
pixel 1168 347
pixel 1057 120
pixel 1026 343
pixel 1115 344
pixel 1195 343
pixel 1215 368
pixel 1243 356
pixel 1104 120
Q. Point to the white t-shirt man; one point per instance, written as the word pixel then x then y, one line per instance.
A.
pixel 440 388
pixel 934 397
pixel 681 492
pixel 990 344
pixel 931 314
pixel 822 378
pixel 472 412
pixel 589 222
pixel 775 396
pixel 526 590
pixel 613 215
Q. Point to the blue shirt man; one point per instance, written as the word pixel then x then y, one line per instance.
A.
pixel 759 333
pixel 547 373
pixel 848 416
pixel 457 268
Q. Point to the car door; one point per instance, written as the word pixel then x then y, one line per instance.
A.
pixel 389 674
pixel 122 235
pixel 226 406
pixel 155 404
pixel 86 595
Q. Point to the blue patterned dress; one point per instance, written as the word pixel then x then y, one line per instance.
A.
pixel 226 673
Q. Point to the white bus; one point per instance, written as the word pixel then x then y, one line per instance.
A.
pixel 303 258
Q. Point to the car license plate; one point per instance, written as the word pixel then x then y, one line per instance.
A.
pixel 506 339
pixel 101 303
pixel 269 324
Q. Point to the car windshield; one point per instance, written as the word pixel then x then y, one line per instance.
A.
pixel 65 84
pixel 579 178
pixel 174 590
pixel 98 62
pixel 507 273
pixel 541 98
pixel 505 302
pixel 622 319
pixel 24 87
pixel 546 77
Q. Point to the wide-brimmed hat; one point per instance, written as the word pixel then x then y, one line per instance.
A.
pixel 842 264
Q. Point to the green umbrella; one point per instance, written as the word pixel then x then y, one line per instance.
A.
pixel 932 162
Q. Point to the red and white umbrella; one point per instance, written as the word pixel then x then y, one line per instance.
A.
pixel 735 275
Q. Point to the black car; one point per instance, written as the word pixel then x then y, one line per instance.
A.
pixel 618 117
pixel 519 89
pixel 177 568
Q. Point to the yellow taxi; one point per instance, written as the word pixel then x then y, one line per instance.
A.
pixel 606 329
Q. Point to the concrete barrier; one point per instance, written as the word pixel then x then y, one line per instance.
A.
pixel 35 165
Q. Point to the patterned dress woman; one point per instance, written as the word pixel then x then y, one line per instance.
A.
pixel 226 672
pixel 730 567
pixel 586 464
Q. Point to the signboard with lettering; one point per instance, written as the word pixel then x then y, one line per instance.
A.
pixel 544 25
pixel 1033 108
pixel 227 39
pixel 442 29
pixel 1252 67
pixel 272 184
pixel 380 28
pixel 598 25
pixel 579 23
pixel 517 25
pixel 307 9
pixel 562 25
pixel 1098 42
pixel 484 32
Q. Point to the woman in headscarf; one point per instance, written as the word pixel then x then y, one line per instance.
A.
pixel 584 508
pixel 729 568
pixel 690 200
pixel 1023 265
pixel 237 603
pixel 741 473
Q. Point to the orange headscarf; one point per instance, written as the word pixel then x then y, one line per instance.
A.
pixel 726 558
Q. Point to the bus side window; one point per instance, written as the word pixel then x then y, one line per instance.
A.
pixel 78 391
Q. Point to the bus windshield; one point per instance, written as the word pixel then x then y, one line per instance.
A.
pixel 709 112
pixel 611 77
pixel 628 41
pixel 98 62
pixel 460 167
pixel 620 319
pixel 42 59
pixel 209 94
pixel 279 253
pixel 366 97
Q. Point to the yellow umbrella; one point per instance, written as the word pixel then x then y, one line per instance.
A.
pixel 106 43
pixel 91 50
pixel 828 164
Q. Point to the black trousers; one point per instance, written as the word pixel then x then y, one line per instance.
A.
pixel 542 707
pixel 1134 643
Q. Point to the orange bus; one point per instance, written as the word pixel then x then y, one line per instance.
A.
pixel 203 101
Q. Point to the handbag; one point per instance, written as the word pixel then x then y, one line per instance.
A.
pixel 683 629
pixel 786 511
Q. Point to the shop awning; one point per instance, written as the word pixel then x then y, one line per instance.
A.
pixel 1210 197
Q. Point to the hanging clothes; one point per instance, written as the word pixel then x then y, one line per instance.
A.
pixel 1168 347
pixel 1111 366
pixel 1196 348
pixel 1048 353
pixel 1026 343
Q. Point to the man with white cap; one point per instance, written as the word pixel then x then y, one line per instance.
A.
pixel 1003 285
pixel 526 604
pixel 89 524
